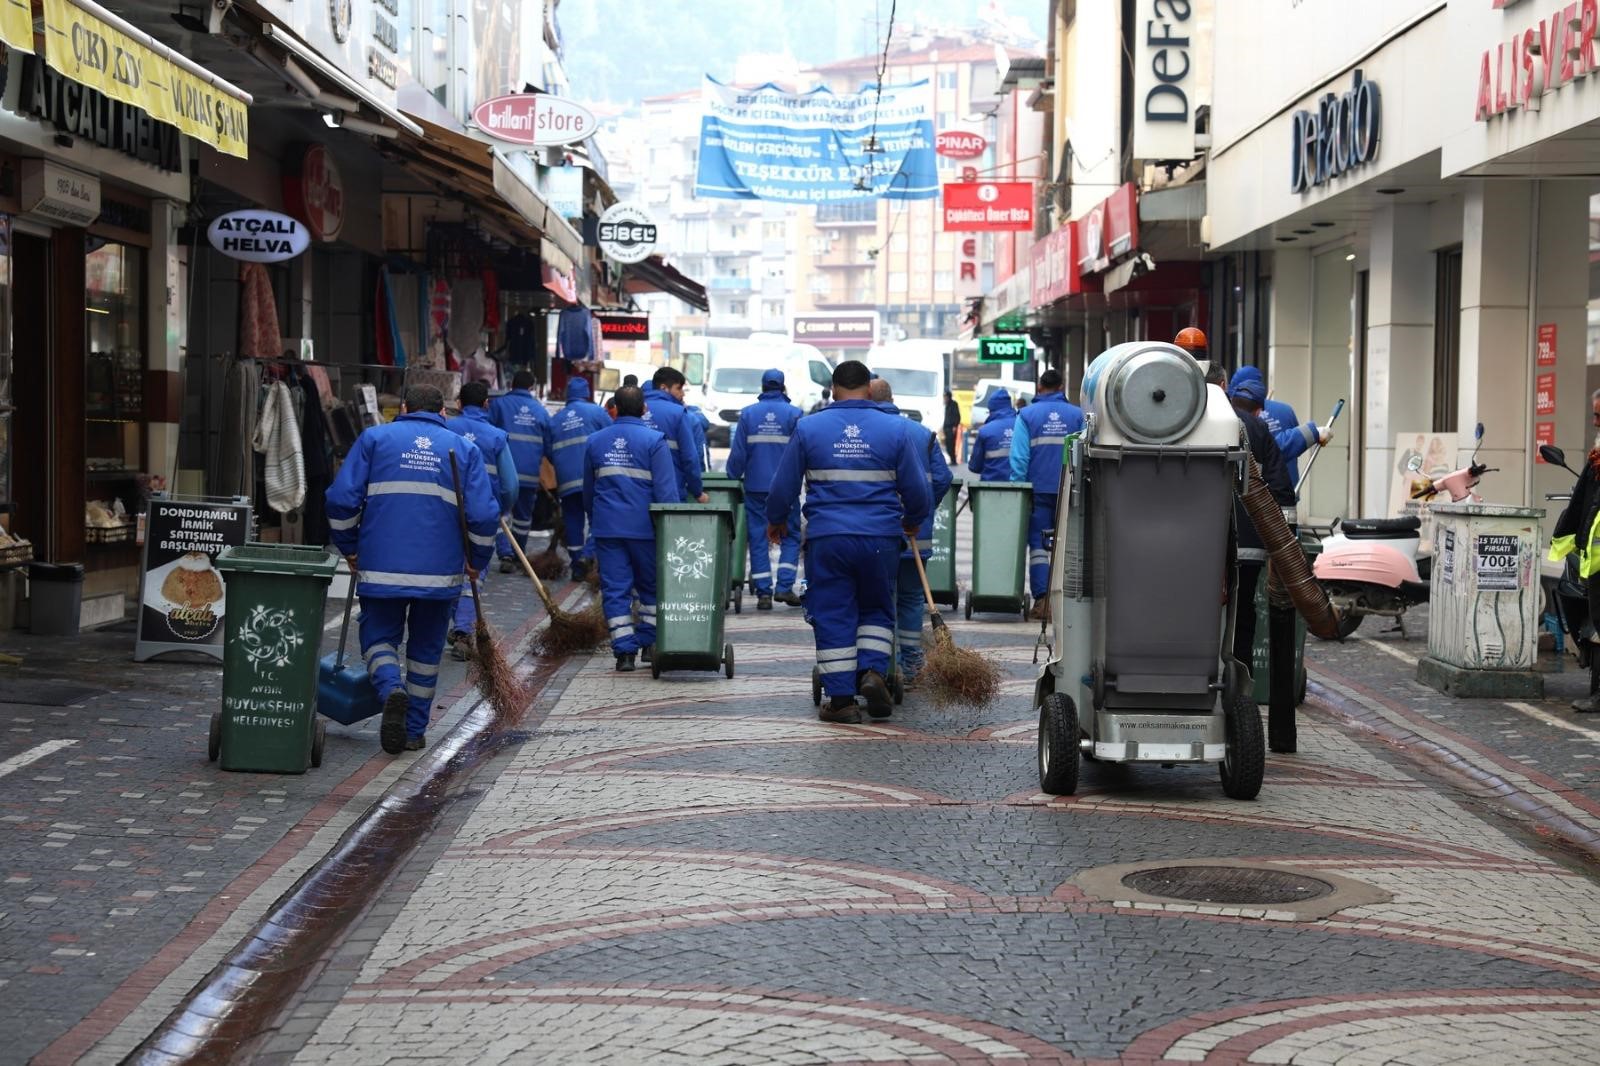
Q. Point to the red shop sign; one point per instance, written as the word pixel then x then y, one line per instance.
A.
pixel 623 327
pixel 959 144
pixel 1547 344
pixel 988 206
pixel 1110 231
pixel 1544 394
pixel 313 192
pixel 1543 433
pixel 1055 266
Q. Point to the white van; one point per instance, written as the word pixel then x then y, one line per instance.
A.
pixel 733 378
pixel 917 371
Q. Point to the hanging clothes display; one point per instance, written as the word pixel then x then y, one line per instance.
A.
pixel 520 347
pixel 466 316
pixel 491 301
pixel 277 438
pixel 258 314
pixel 391 349
pixel 575 333
pixel 235 463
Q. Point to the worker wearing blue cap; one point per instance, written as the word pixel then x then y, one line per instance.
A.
pixel 1292 436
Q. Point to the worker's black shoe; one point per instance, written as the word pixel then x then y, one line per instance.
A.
pixel 841 709
pixel 1587 705
pixel 876 691
pixel 507 564
pixel 392 731
pixel 580 569
pixel 763 602
pixel 788 596
pixel 647 653
pixel 460 646
pixel 416 743
pixel 625 662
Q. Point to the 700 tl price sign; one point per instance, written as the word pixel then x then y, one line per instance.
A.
pixel 1003 350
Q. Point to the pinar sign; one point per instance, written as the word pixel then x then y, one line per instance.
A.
pixel 1537 60
pixel 959 144
pixel 988 206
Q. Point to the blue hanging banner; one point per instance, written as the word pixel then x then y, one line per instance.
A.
pixel 808 148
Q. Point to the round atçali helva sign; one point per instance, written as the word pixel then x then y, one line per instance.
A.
pixel 627 233
pixel 258 236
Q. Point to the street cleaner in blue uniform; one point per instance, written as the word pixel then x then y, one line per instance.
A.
pixel 627 467
pixel 527 426
pixel 758 442
pixel 392 514
pixel 910 605
pixel 1037 441
pixel 664 412
pixel 991 452
pixel 473 426
pixel 570 429
pixel 865 490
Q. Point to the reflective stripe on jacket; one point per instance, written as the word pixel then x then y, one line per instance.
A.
pixel 666 416
pixel 627 467
pixel 759 439
pixel 527 427
pixel 1038 438
pixel 473 425
pixel 570 430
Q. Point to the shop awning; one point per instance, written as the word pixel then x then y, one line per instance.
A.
pixel 463 168
pixel 128 65
pixel 654 275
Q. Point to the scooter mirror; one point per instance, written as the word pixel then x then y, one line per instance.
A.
pixel 1414 464
pixel 1477 434
pixel 1552 455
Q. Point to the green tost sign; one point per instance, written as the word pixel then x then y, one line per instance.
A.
pixel 1003 350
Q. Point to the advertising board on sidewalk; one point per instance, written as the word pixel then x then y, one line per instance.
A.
pixel 182 596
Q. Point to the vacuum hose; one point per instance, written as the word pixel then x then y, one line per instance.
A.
pixel 1287 568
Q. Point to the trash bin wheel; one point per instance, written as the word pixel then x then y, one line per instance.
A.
pixel 318 738
pixel 655 668
pixel 1300 690
pixel 214 741
pixel 816 686
pixel 738 602
pixel 1244 763
pixel 1058 745
pixel 727 660
pixel 969 605
pixel 897 686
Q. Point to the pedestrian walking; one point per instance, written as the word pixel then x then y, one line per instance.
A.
pixel 392 514
pixel 627 467
pixel 527 426
pixel 952 423
pixel 1578 530
pixel 758 441
pixel 570 430
pixel 1037 439
pixel 664 413
pixel 910 605
pixel 991 452
pixel 865 490
pixel 473 426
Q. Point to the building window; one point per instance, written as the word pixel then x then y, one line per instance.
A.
pixel 736 230
pixel 772 231
pixel 1446 339
pixel 777 270
pixel 943 281
pixel 737 308
pixel 772 309
pixel 849 211
pixel 949 79
pixel 821 285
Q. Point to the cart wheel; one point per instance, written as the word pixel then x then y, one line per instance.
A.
pixel 1244 763
pixel 214 741
pixel 969 606
pixel 1058 745
pixel 897 687
pixel 1024 608
pixel 318 737
pixel 1300 692
pixel 816 686
pixel 727 660
pixel 655 668
pixel 738 603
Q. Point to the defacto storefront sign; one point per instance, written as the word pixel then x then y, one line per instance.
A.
pixel 535 119
pixel 258 236
pixel 1341 135
pixel 1539 59
pixel 984 206
pixel 1164 80
pixel 859 330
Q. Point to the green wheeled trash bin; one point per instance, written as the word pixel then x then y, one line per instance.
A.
pixel 692 545
pixel 1312 546
pixel 268 722
pixel 1000 512
pixel 725 491
pixel 942 563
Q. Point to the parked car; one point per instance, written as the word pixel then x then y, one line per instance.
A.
pixel 986 387
pixel 733 378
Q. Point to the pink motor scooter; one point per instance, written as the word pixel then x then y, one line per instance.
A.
pixel 1369 566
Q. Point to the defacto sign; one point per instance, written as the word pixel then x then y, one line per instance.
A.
pixel 984 206
pixel 626 233
pixel 1541 59
pixel 258 236
pixel 1341 135
pixel 959 144
pixel 1163 80
pixel 858 330
pixel 535 119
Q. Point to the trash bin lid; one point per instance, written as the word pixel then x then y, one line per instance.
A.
pixel 1155 395
pixel 300 560
pixel 64 572
pixel 691 508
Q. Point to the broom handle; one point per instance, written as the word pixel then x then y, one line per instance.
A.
pixel 538 585
pixel 466 541
pixel 922 572
pixel 344 627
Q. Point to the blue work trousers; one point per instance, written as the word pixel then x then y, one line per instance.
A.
pixel 521 521
pixel 580 543
pixel 755 514
pixel 850 594
pixel 419 625
pixel 1040 522
pixel 464 616
pixel 628 572
pixel 910 608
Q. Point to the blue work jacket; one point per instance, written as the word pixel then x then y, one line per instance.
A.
pixel 393 505
pixel 862 475
pixel 666 416
pixel 627 467
pixel 759 439
pixel 991 452
pixel 925 442
pixel 570 428
pixel 527 426
pixel 1037 438
pixel 473 425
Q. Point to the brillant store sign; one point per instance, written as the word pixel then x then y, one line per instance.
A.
pixel 1539 59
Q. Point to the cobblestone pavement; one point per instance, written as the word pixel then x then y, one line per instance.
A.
pixel 129 864
pixel 697 869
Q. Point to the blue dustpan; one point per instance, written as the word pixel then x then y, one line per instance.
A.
pixel 344 693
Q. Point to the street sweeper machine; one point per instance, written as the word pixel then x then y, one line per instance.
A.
pixel 1144 573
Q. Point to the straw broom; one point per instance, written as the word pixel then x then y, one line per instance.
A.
pixel 955 674
pixel 490 671
pixel 548 563
pixel 567 633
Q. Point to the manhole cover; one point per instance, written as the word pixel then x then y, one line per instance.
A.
pixel 1227 884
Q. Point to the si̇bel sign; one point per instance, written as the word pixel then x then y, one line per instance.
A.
pixel 1003 350
pixel 182 595
pixel 258 236
pixel 626 233
pixel 1339 136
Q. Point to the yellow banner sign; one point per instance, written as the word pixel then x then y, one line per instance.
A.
pixel 16 24
pixel 94 52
